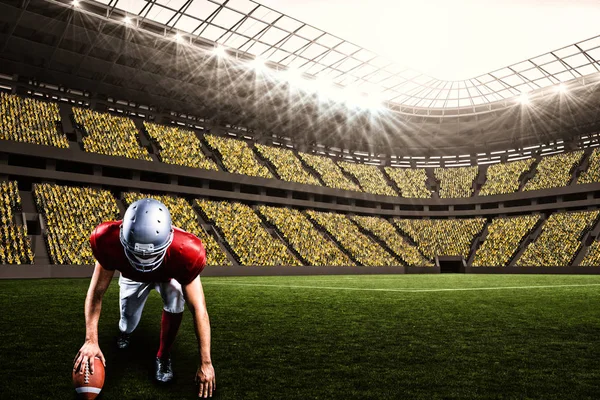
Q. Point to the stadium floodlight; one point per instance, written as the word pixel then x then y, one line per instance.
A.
pixel 75 3
pixel 127 20
pixel 219 51
pixel 560 88
pixel 524 98
pixel 293 76
pixel 178 37
pixel 258 64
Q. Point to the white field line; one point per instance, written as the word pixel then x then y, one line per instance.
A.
pixel 412 290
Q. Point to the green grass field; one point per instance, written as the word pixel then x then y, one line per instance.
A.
pixel 326 337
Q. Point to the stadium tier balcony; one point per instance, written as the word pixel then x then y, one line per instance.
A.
pixel 503 239
pixel 179 146
pixel 71 214
pixel 592 173
pixel 386 232
pixel 410 181
pixel 237 156
pixel 30 121
pixel 592 258
pixel 505 178
pixel 559 240
pixel 364 249
pixel 109 134
pixel 554 171
pixel 442 237
pixel 184 217
pixel 370 178
pixel 287 165
pixel 456 182
pixel 329 172
pixel 245 234
pixel 15 245
pixel 304 237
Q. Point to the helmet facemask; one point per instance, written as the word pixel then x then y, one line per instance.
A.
pixel 145 257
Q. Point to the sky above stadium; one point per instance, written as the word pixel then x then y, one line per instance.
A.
pixel 451 40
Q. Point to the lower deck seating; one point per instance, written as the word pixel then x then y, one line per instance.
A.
pixel 560 239
pixel 442 237
pixel 592 258
pixel 247 238
pixel 364 249
pixel 15 245
pixel 386 232
pixel 184 217
pixel 503 239
pixel 71 214
pixel 304 237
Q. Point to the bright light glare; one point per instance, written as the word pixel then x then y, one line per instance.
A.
pixel 127 20
pixel 178 37
pixel 75 3
pixel 561 88
pixel 524 99
pixel 219 51
pixel 293 76
pixel 258 64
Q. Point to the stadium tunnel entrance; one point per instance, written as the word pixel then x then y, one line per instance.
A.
pixel 451 264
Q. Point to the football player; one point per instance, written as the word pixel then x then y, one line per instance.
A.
pixel 150 254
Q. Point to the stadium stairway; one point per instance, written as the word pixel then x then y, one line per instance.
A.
pixel 208 153
pixel 526 176
pixel 310 169
pixel 391 183
pixel 530 237
pixel 581 166
pixel 432 183
pixel 586 241
pixel 333 239
pixel 479 179
pixel 380 242
pixel 477 241
pixel 262 159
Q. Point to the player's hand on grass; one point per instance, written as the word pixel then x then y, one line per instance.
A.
pixel 205 378
pixel 86 354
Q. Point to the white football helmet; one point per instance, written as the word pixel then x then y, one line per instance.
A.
pixel 146 234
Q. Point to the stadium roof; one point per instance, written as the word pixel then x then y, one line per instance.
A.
pixel 262 32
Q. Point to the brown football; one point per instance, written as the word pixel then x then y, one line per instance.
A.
pixel 88 385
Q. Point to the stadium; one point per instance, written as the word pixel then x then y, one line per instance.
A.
pixel 371 232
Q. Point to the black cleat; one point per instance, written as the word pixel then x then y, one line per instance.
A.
pixel 123 340
pixel 163 371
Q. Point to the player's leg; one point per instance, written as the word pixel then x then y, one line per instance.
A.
pixel 132 297
pixel 171 321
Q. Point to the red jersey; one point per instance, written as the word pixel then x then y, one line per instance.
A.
pixel 184 261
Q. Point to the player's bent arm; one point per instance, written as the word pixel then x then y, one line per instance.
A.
pixel 194 296
pixel 93 305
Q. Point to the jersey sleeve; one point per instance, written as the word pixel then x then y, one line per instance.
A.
pixel 97 242
pixel 192 269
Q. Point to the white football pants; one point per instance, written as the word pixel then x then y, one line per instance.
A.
pixel 133 296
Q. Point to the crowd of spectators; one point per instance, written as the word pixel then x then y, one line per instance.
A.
pixel 442 237
pixel 109 134
pixel 304 237
pixel 15 245
pixel 592 173
pixel 456 182
pixel 410 181
pixel 286 163
pixel 237 156
pixel 386 232
pixel 31 121
pixel 330 173
pixel 364 249
pixel 184 217
pixel 554 171
pixel 559 240
pixel 370 178
pixel 503 239
pixel 245 234
pixel 505 178
pixel 71 214
pixel 592 258
pixel 179 146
